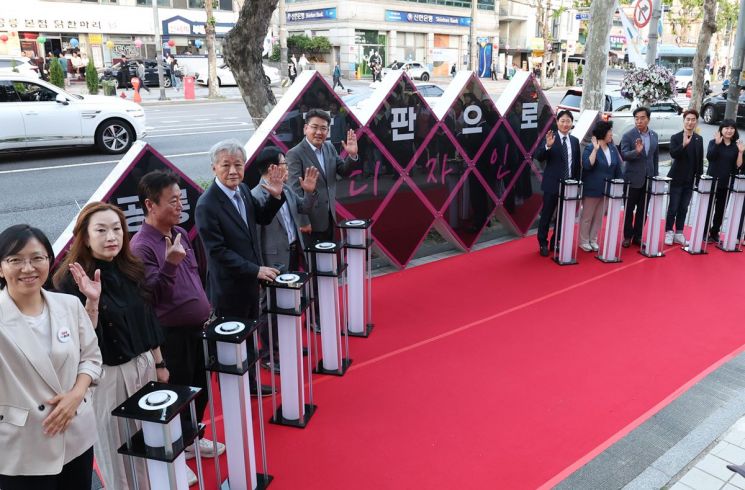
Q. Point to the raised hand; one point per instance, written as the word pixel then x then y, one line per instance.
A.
pixel 595 143
pixel 308 184
pixel 175 251
pixel 275 181
pixel 686 138
pixel 639 145
pixel 550 138
pixel 718 137
pixel 740 146
pixel 351 144
pixel 90 288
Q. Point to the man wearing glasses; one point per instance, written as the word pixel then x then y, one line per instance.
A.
pixel 316 151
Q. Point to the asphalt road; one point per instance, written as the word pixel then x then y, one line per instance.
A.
pixel 46 188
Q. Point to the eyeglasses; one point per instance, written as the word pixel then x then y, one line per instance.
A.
pixel 320 129
pixel 35 261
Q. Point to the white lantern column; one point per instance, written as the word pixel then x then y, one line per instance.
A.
pixel 358 250
pixel 658 193
pixel 730 239
pixel 286 306
pixel 326 266
pixel 614 203
pixel 163 438
pixel 567 224
pixel 700 209
pixel 225 346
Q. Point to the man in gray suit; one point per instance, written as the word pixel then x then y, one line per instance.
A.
pixel 316 151
pixel 642 156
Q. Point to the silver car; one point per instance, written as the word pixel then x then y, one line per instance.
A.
pixel 415 69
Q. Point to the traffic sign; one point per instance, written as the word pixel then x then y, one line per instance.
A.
pixel 642 13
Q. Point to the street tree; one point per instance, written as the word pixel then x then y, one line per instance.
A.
pixel 243 52
pixel 682 15
pixel 596 54
pixel 726 21
pixel 209 29
pixel 708 28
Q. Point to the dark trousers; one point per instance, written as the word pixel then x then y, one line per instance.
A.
pixel 183 352
pixel 550 202
pixel 337 81
pixel 720 201
pixel 680 198
pixel 78 473
pixel 634 215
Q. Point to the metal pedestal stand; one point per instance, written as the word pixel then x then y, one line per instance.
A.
pixel 704 188
pixel 357 256
pixel 614 202
pixel 730 239
pixel 570 196
pixel 658 192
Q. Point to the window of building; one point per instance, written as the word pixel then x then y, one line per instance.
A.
pixel 149 3
pixel 217 4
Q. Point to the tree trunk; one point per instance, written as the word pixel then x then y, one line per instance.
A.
pixel 542 13
pixel 708 28
pixel 652 45
pixel 596 54
pixel 243 47
pixel 209 29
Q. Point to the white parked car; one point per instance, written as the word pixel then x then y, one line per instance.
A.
pixel 684 79
pixel 665 120
pixel 18 65
pixel 415 69
pixel 225 76
pixel 34 113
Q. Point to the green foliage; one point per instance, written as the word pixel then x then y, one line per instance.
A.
pixel 570 78
pixel 726 14
pixel 579 70
pixel 109 87
pixel 308 45
pixel 56 75
pixel 13 67
pixel 275 53
pixel 91 78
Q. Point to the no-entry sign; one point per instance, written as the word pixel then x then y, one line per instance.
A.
pixel 642 13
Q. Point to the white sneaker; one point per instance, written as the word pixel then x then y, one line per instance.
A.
pixel 668 238
pixel 680 239
pixel 206 450
pixel 595 246
pixel 191 477
pixel 586 247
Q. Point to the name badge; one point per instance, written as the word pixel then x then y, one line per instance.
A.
pixel 63 335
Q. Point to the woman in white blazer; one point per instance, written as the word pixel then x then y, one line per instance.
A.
pixel 49 357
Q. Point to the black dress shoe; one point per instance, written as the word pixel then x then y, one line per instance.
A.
pixel 265 365
pixel 637 242
pixel 266 390
pixel 626 243
pixel 544 251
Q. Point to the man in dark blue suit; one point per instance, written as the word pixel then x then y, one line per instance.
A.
pixel 642 156
pixel 560 153
pixel 226 217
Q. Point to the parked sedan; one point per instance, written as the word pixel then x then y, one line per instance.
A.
pixel 712 108
pixel 151 73
pixel 415 69
pixel 225 76
pixel 34 113
pixel 665 120
pixel 684 79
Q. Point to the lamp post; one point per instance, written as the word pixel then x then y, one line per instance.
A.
pixel 158 51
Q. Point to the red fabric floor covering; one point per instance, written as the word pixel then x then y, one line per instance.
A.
pixel 500 369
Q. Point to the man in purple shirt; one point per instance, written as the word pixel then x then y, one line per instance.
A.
pixel 172 278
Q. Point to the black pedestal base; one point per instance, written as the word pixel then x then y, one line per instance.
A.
pixel 556 260
pixel 300 424
pixel 728 251
pixel 651 256
pixel 262 482
pixel 365 333
pixel 688 251
pixel 608 261
pixel 339 372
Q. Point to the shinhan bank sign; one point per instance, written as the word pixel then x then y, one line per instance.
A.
pixel 423 18
pixel 306 15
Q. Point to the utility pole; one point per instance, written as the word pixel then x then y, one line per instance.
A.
pixel 282 39
pixel 473 51
pixel 158 51
pixel 734 87
pixel 653 23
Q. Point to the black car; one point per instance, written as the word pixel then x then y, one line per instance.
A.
pixel 151 73
pixel 712 108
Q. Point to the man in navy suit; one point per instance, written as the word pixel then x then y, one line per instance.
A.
pixel 642 156
pixel 687 150
pixel 561 155
pixel 226 217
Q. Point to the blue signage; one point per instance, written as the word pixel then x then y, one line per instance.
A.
pixel 582 16
pixel 317 14
pixel 422 18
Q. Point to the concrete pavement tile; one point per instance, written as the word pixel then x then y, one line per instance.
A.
pixel 736 436
pixel 721 445
pixel 714 466
pixel 701 480
pixel 737 481
pixel 732 453
pixel 680 486
pixel 729 487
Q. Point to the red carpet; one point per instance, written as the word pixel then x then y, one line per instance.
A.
pixel 500 369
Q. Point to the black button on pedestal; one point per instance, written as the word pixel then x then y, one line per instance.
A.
pixel 41 408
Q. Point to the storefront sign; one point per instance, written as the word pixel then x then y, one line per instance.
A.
pixel 181 26
pixel 50 24
pixel 424 18
pixel 582 16
pixel 95 38
pixel 317 14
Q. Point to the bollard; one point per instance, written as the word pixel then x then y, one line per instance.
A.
pixel 136 87
pixel 189 87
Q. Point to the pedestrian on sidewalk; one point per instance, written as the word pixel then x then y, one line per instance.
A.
pixel 337 77
pixel 175 71
pixel 452 70
pixel 141 76
pixel 687 151
pixel 494 70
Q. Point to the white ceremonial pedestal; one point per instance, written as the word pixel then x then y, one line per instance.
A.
pixel 358 250
pixel 162 440
pixel 225 353
pixel 567 223
pixel 730 239
pixel 658 192
pixel 700 208
pixel 612 234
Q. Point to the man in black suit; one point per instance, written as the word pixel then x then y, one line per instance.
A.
pixel 642 156
pixel 226 217
pixel 316 151
pixel 687 150
pixel 562 160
